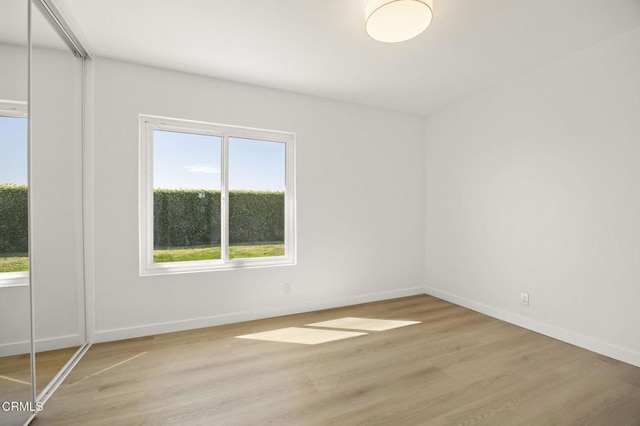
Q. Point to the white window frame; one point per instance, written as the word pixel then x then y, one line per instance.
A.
pixel 14 109
pixel 150 123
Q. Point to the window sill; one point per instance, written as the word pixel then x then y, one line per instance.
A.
pixel 213 266
pixel 14 279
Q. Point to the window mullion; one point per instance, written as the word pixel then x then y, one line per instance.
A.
pixel 224 197
pixel 149 195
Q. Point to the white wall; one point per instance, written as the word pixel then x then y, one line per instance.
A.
pixel 360 194
pixel 14 81
pixel 533 186
pixel 56 196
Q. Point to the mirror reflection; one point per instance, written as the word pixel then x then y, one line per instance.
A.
pixel 56 197
pixel 15 324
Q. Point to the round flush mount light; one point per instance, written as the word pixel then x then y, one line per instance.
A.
pixel 393 21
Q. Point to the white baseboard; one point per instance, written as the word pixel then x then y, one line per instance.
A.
pixel 577 339
pixel 48 344
pixel 190 324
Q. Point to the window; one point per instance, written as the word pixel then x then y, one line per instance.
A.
pixel 14 210
pixel 214 197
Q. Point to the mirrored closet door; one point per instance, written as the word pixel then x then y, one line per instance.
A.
pixel 42 309
pixel 56 196
pixel 16 392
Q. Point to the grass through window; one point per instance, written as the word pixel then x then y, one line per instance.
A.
pixel 241 250
pixel 14 262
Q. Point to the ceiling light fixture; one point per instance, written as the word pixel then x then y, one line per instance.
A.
pixel 393 21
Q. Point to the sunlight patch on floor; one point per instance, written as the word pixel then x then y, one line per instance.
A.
pixel 304 336
pixel 11 379
pixel 366 324
pixel 118 364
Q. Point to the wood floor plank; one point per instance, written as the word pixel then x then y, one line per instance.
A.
pixel 457 367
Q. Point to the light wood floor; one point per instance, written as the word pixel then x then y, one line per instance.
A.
pixel 15 379
pixel 457 367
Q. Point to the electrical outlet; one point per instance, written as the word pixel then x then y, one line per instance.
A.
pixel 286 288
pixel 524 299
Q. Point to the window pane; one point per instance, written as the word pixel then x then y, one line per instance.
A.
pixel 14 213
pixel 256 198
pixel 186 197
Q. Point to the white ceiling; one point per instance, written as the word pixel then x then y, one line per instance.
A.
pixel 319 47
